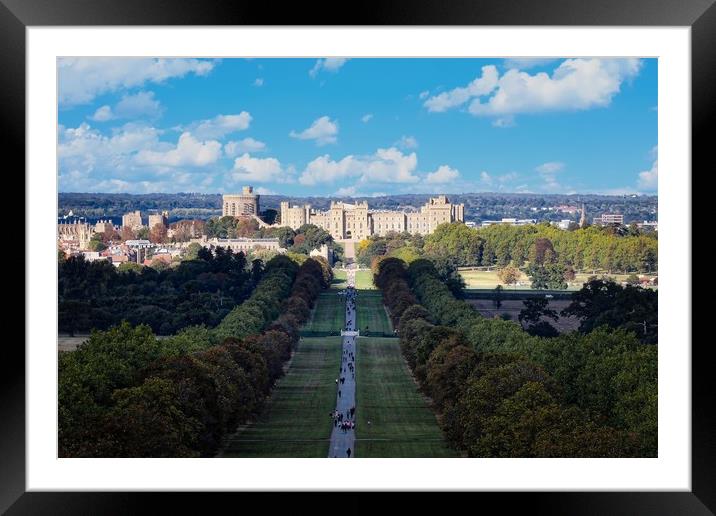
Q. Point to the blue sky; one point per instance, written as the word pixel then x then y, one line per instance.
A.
pixel 358 126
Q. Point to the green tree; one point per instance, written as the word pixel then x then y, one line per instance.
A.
pixel 191 252
pixel 535 309
pixel 549 276
pixel 462 245
pixel 96 243
pixel 147 421
pixel 143 233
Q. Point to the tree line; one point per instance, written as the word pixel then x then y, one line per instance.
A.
pixel 592 248
pixel 502 392
pixel 124 393
pixel 197 291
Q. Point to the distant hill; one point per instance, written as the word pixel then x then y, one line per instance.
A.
pixel 478 206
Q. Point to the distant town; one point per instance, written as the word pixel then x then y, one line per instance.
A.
pixel 158 237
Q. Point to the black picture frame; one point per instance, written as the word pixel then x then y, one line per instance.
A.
pixel 17 15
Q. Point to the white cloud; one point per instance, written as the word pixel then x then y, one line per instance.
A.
pixel 324 170
pixel 366 118
pixel 576 84
pixel 353 191
pixel 81 79
pixel 649 179
pixel 188 152
pixel 220 126
pixel 102 114
pixel 259 170
pixel 424 94
pixel 323 130
pixel 140 105
pixel 549 172
pixel 89 161
pixel 504 122
pixel 407 142
pixel 264 191
pixel 385 166
pixel 259 82
pixel 234 148
pixel 550 168
pixel 444 174
pixel 346 191
pixel 482 85
pixel 89 145
pixel 485 177
pixel 330 64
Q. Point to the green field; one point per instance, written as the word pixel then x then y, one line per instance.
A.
pixel 295 422
pixel 364 279
pixel 371 314
pixel 489 280
pixel 401 423
pixel 328 317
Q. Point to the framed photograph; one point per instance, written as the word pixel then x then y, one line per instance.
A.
pixel 427 240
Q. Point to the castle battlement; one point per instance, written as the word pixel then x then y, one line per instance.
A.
pixel 345 221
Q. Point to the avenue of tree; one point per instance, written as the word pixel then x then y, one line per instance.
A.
pixel 501 392
pixel 124 393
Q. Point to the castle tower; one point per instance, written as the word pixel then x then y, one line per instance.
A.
pixel 245 203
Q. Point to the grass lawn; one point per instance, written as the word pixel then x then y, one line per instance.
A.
pixel 329 314
pixel 364 279
pixel 372 314
pixel 339 279
pixel 402 425
pixel 295 422
pixel 489 280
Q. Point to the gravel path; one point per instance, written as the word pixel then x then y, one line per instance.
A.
pixel 344 440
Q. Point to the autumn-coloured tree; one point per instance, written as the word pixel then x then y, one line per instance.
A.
pixel 509 275
pixel 158 234
pixel 127 233
pixel 246 227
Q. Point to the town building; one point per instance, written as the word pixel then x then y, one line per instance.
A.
pixel 565 208
pixel 325 252
pixel 93 256
pixel 346 221
pixel 243 245
pixel 609 218
pixel 159 218
pixel 509 222
pixel 74 235
pixel 245 203
pixel 138 249
pixel 648 224
pixel 103 226
pixel 132 220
